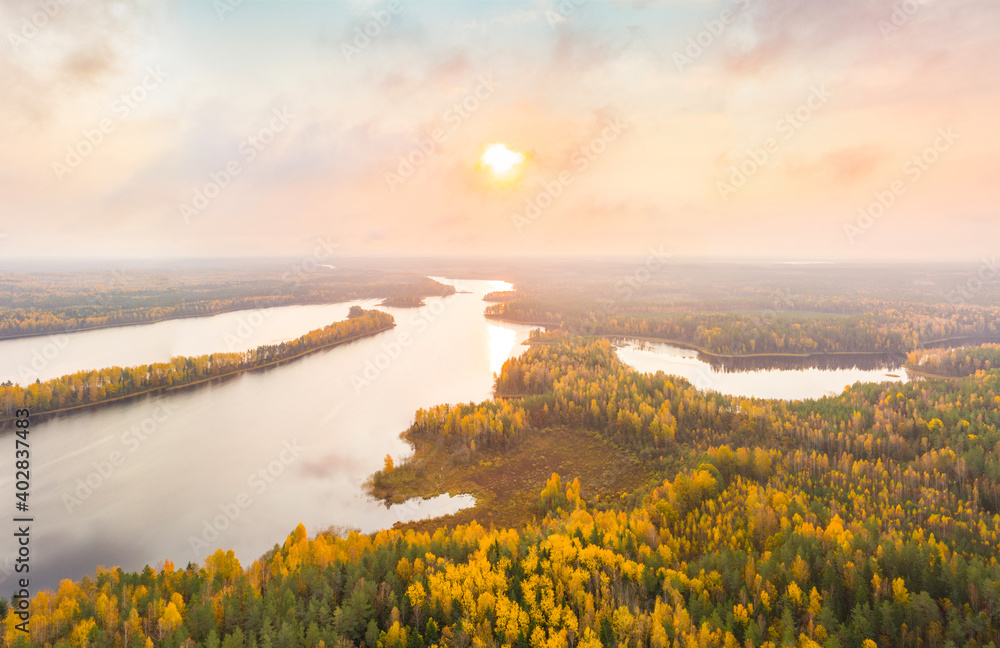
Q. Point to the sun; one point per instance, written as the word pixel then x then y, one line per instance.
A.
pixel 501 162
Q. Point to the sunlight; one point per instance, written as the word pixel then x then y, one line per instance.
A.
pixel 503 164
pixel 502 340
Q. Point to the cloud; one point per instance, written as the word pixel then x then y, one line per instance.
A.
pixel 556 86
pixel 781 31
pixel 809 32
pixel 59 50
pixel 841 167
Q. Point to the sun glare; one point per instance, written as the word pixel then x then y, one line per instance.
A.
pixel 503 164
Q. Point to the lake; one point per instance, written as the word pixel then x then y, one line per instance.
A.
pixel 782 378
pixel 238 463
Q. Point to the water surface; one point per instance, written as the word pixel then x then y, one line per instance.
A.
pixel 49 356
pixel 240 462
pixel 829 378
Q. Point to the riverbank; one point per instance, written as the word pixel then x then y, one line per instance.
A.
pixel 748 356
pixel 41 415
pixel 961 340
pixel 958 340
pixel 170 318
pixel 694 347
pixel 545 325
pixel 931 376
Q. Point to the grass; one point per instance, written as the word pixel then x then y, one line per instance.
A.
pixel 507 483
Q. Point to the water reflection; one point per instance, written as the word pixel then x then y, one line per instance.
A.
pixel 785 378
pixel 969 340
pixel 42 358
pixel 865 361
pixel 178 475
pixel 824 361
pixel 502 341
pixel 419 508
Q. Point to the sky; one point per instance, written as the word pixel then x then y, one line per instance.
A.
pixel 790 129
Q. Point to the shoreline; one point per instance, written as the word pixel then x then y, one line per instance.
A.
pixel 933 376
pixel 225 311
pixel 547 325
pixel 739 356
pixel 168 318
pixel 202 381
pixel 991 339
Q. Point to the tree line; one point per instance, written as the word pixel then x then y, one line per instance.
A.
pixel 866 519
pixel 95 386
pixel 955 363
pixel 38 303
pixel 907 328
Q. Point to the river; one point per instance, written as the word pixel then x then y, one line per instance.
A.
pixel 50 356
pixel 238 463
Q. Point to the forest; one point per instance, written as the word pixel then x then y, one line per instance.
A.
pixel 746 309
pixel 866 519
pixel 883 329
pixel 34 303
pixel 93 387
pixel 955 363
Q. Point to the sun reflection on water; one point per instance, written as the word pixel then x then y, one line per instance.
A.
pixel 501 341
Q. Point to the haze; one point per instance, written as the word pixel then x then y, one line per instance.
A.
pixel 799 129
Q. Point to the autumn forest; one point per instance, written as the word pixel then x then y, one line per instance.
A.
pixel 868 518
pixel 499 324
